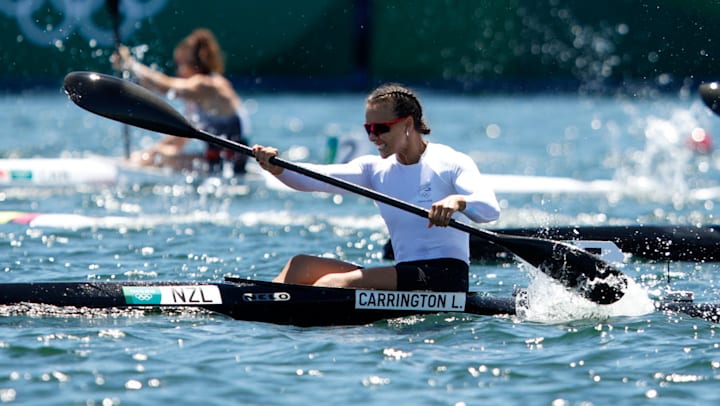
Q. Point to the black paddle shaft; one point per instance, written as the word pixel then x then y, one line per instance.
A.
pixel 129 103
pixel 113 8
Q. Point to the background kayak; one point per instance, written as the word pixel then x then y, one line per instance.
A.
pixel 642 242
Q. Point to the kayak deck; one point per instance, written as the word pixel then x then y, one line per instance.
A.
pixel 252 300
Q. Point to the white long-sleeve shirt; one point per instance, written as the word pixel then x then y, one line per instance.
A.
pixel 441 172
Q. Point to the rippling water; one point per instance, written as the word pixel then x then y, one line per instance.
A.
pixel 559 354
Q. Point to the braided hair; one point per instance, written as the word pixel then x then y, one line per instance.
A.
pixel 404 101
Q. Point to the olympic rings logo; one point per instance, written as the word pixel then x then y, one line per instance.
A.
pixel 143 296
pixel 77 16
pixel 140 293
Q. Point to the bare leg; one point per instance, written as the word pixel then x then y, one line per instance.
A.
pixel 177 162
pixel 306 269
pixel 365 278
pixel 310 270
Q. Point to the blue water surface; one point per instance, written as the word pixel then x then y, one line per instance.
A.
pixel 182 232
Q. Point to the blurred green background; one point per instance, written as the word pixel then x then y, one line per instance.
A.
pixel 352 45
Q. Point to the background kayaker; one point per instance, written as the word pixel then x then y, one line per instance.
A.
pixel 429 255
pixel 211 102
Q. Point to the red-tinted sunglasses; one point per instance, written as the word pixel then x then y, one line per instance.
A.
pixel 381 128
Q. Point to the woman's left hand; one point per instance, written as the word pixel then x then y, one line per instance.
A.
pixel 441 212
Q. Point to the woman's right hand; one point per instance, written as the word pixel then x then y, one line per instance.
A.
pixel 122 60
pixel 263 155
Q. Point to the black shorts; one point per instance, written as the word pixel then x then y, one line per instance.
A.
pixel 438 275
pixel 215 156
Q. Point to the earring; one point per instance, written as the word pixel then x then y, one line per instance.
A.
pixel 407 133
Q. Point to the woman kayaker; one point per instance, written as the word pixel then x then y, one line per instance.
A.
pixel 211 102
pixel 429 255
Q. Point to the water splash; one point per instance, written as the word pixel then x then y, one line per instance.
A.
pixel 664 169
pixel 547 301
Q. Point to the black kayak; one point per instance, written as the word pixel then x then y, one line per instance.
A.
pixel 642 242
pixel 252 300
pixel 278 303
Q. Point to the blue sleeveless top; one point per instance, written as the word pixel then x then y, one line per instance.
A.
pixel 229 127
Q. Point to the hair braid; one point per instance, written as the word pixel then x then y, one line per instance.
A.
pixel 404 102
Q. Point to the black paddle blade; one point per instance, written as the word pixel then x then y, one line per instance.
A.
pixel 113 7
pixel 710 94
pixel 582 272
pixel 127 103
